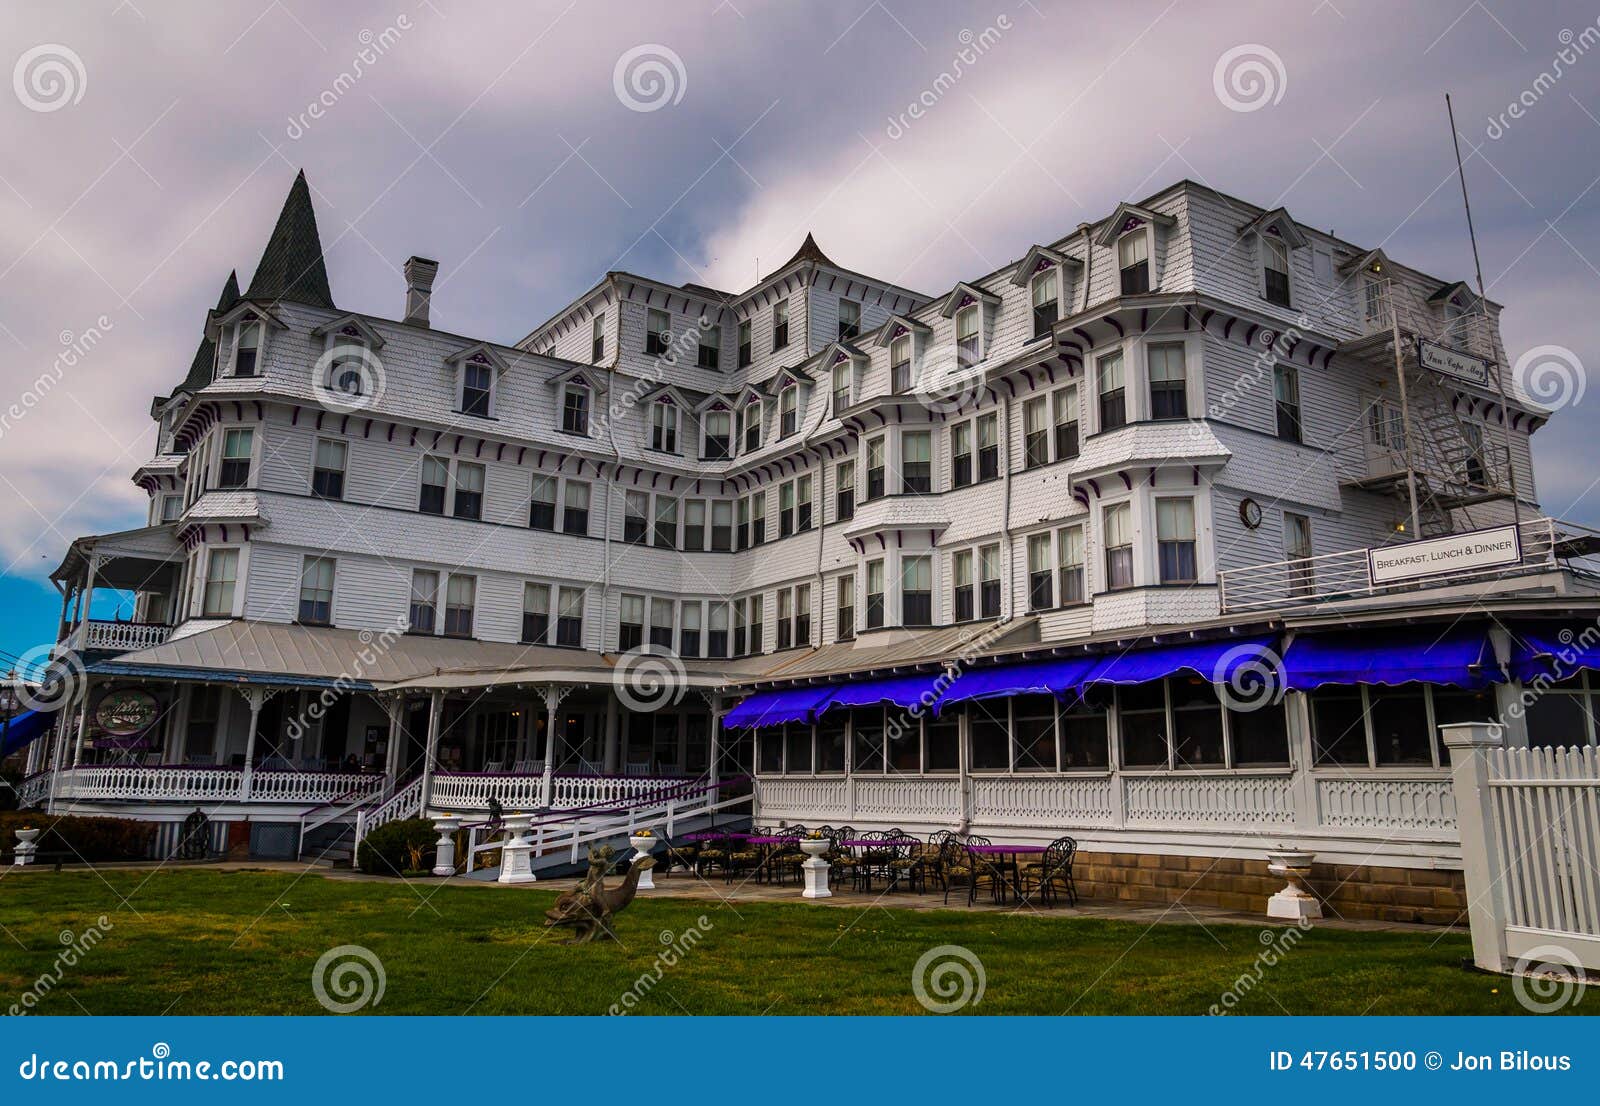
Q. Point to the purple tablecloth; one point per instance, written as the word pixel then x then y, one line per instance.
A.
pixel 857 843
pixel 707 835
pixel 772 840
pixel 1002 849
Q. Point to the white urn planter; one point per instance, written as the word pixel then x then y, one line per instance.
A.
pixel 26 846
pixel 1295 903
pixel 516 855
pixel 444 860
pixel 643 845
pixel 814 868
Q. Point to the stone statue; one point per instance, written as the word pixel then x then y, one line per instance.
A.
pixel 589 908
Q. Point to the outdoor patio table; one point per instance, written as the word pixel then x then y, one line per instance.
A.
pixel 714 835
pixel 1008 860
pixel 773 839
pixel 858 843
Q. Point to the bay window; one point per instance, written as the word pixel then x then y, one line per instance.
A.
pixel 694 525
pixel 844 494
pixel 1113 401
pixel 916 591
pixel 569 620
pixel 1168 389
pixel 222 575
pixel 535 614
pixel 875 455
pixel 916 463
pixel 1065 403
pixel 1069 560
pixel 721 526
pixel 874 594
pixel 1039 573
pixel 961 577
pixel 1117 532
pixel 460 597
pixel 238 445
pixel 1175 540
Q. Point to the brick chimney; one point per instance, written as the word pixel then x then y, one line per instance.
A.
pixel 419 273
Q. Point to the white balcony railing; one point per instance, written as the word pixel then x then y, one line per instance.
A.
pixel 198 783
pixel 123 637
pixel 471 791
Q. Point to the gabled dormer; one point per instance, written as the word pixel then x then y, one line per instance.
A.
pixel 973 311
pixel 792 387
pixel 715 416
pixel 845 365
pixel 1371 274
pixel 664 415
pixel 348 369
pixel 1455 302
pixel 907 340
pixel 577 393
pixel 241 336
pixel 751 409
pixel 1138 236
pixel 1274 237
pixel 477 369
pixel 1045 273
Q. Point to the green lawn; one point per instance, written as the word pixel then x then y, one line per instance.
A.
pixel 218 942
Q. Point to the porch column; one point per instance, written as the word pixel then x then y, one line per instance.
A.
pixel 430 752
pixel 1510 708
pixel 395 707
pixel 66 612
pixel 1302 757
pixel 82 640
pixel 177 750
pixel 714 753
pixel 553 694
pixel 57 762
pixel 611 762
pixel 255 698
pixel 83 722
pixel 1483 867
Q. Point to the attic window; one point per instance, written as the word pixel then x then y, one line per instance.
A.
pixel 1046 304
pixel 788 409
pixel 575 408
pixel 1275 268
pixel 750 425
pixel 246 348
pixel 900 364
pixel 477 386
pixel 967 334
pixel 849 319
pixel 1133 259
pixel 664 426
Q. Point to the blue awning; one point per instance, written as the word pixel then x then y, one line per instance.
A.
pixel 1217 661
pixel 1460 656
pixel 23 730
pixel 1053 677
pixel 1553 652
pixel 774 708
pixel 921 689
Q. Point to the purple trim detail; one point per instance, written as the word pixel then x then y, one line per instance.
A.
pixel 1112 319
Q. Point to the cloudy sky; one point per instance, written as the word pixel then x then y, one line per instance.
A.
pixel 530 147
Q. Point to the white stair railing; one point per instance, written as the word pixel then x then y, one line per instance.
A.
pixel 404 803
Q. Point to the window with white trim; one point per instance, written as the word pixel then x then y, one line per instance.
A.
pixel 1168 381
pixel 535 613
pixel 664 419
pixel 222 575
pixel 327 469
pixel 238 449
pixel 630 623
pixel 845 608
pixel 1064 403
pixel 849 319
pixel 1175 542
pixel 900 365
pixel 542 504
pixel 575 408
pixel 477 387
pixel 708 354
pixel 460 602
pixel 435 485
pixel 247 347
pixel 1275 269
pixel 716 434
pixel 1040 596
pixel 1116 524
pixel 1069 565
pixel 468 499
pixel 575 507
pixel 1133 261
pixel 658 333
pixel 916 591
pixel 788 410
pixel 1113 394
pixel 569 617
pixel 1035 433
pixel 1046 303
pixel 423 611
pixel 780 325
pixel 968 335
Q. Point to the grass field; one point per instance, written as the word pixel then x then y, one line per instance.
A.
pixel 247 942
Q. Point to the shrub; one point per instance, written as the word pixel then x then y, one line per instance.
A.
pixel 404 846
pixel 79 838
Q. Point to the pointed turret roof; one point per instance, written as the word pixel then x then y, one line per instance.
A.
pixel 206 356
pixel 291 266
pixel 808 251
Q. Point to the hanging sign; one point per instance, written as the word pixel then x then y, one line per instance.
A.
pixel 1451 362
pixel 1445 556
pixel 126 712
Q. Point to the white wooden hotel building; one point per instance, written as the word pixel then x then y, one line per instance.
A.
pixel 1084 545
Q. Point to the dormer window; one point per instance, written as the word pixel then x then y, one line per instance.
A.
pixel 1375 296
pixel 849 319
pixel 1133 259
pixel 780 325
pixel 900 362
pixel 658 335
pixel 664 426
pixel 750 425
pixel 967 335
pixel 841 386
pixel 788 410
pixel 597 346
pixel 477 385
pixel 710 351
pixel 247 348
pixel 575 408
pixel 1046 303
pixel 744 344
pixel 1275 269
pixel 717 432
pixel 346 367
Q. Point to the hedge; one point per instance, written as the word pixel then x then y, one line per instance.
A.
pixel 404 846
pixel 81 839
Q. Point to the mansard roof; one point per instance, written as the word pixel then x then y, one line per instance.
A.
pixel 205 357
pixel 291 266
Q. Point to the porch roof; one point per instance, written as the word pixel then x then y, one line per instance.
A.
pixel 145 544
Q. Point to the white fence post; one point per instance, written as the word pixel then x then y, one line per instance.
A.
pixel 1470 745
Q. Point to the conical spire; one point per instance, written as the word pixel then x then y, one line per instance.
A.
pixel 205 357
pixel 808 251
pixel 291 266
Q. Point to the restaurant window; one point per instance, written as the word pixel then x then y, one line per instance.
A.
pixel 635 517
pixel 661 623
pixel 569 621
pixel 1046 306
pixel 630 623
pixel 1286 401
pixel 960 455
pixel 1401 736
pixel 1065 403
pixel 238 443
pixel 477 382
pixel 575 508
pixel 1168 387
pixel 1039 573
pixel 1117 524
pixel 222 575
pixel 717 636
pixel 664 426
pixel 666 536
pixel 1035 434
pixel 424 608
pixel 575 409
pixel 967 337
pixel 989 581
pixel 708 354
pixel 171 508
pixel 941 740
pixel 535 613
pixel 902 742
pixel 831 735
pixel 988 735
pixel 1069 562
pixel 916 591
pixel 1175 540
pixel 988 447
pixel 1086 730
pixel 694 525
pixel 542 504
pixel 1339 726
pixel 744 344
pixel 316 591
pixel 717 430
pixel 844 496
pixel 849 319
pixel 689 616
pixel 963 598
pixel 780 324
pixel 900 365
pixel 916 463
pixel 1259 735
pixel 327 471
pixel 1113 398
pixel 845 629
pixel 1033 730
pixel 875 454
pixel 658 333
pixel 460 595
pixel 435 479
pixel 866 725
pixel 797 748
pixel 874 594
pixel 468 491
pixel 769 750
pixel 1275 269
pixel 1196 723
pixel 1142 711
pixel 1133 259
pixel 721 525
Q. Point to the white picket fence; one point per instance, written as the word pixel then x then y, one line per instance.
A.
pixel 1530 843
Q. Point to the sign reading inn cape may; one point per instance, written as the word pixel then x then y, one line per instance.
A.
pixel 1450 362
pixel 1441 556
